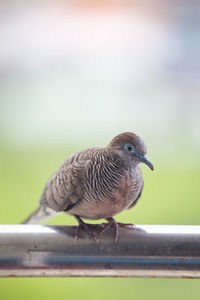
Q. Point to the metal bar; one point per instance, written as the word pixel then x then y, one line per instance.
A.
pixel 146 251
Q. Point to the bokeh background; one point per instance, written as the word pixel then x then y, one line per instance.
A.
pixel 73 74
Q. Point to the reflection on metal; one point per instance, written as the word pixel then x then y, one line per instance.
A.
pixel 146 251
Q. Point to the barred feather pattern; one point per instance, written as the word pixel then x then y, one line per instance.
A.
pixel 103 175
pixel 93 184
pixel 96 183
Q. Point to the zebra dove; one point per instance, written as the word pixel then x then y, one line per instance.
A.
pixel 96 183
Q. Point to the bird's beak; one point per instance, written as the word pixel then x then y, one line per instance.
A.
pixel 145 160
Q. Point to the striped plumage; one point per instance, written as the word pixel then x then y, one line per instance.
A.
pixel 96 183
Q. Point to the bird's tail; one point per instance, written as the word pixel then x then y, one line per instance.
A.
pixel 40 215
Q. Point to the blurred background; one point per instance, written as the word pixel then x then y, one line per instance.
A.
pixel 73 74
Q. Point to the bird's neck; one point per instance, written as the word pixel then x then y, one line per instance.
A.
pixel 121 161
pixel 111 156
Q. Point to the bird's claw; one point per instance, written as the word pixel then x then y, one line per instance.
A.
pixel 85 226
pixel 116 225
pixel 111 223
pixel 123 225
pixel 126 225
pixel 105 226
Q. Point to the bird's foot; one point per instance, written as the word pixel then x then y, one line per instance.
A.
pixel 116 225
pixel 85 226
pixel 111 223
pixel 126 225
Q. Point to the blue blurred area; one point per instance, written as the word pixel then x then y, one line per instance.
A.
pixel 75 74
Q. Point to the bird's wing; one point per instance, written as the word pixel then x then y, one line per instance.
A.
pixel 139 195
pixel 66 187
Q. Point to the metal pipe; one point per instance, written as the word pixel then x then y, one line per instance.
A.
pixel 146 251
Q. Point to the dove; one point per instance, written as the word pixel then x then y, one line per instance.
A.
pixel 96 183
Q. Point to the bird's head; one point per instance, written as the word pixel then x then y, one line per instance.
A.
pixel 131 147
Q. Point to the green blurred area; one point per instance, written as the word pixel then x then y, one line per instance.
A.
pixel 78 73
pixel 171 196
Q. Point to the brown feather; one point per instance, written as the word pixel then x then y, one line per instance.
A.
pixel 98 182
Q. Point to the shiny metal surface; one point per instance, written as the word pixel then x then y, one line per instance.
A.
pixel 147 251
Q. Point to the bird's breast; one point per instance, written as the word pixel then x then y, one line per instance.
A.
pixel 100 206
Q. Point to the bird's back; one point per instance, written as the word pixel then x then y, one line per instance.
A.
pixel 66 186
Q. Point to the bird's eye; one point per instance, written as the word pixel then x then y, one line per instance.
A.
pixel 129 147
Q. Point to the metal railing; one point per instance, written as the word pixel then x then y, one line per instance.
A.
pixel 146 251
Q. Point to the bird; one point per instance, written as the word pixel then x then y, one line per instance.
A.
pixel 96 183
